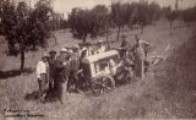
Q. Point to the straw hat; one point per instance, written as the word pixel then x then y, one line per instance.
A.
pixel 64 50
pixel 100 41
pixel 75 46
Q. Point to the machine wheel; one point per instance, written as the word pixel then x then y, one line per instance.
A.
pixel 105 84
pixel 128 78
pixel 96 88
pixel 108 83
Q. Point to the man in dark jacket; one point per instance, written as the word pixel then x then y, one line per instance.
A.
pixel 125 45
pixel 51 62
pixel 61 75
pixel 75 64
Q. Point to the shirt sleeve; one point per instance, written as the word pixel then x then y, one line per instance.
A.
pixel 38 69
pixel 145 42
pixel 41 68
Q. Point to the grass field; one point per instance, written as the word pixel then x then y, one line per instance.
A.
pixel 169 90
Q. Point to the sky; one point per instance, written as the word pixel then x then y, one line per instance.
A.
pixel 65 6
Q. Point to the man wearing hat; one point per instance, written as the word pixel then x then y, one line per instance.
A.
pixel 124 45
pixel 62 74
pixel 51 61
pixel 41 71
pixel 75 64
pixel 86 50
pixel 101 46
pixel 140 54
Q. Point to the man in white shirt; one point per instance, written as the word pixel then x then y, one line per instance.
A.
pixel 86 50
pixel 41 71
pixel 145 45
pixel 140 51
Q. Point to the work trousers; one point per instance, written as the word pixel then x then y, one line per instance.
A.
pixel 139 68
pixel 61 88
pixel 42 81
pixel 74 79
pixel 51 82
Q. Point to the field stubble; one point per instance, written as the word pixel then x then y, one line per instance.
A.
pixel 167 92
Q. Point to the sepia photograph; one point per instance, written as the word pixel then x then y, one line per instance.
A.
pixel 97 59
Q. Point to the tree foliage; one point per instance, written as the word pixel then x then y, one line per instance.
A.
pixel 39 24
pixel 171 15
pixel 102 19
pixel 81 23
pixel 154 11
pixel 84 22
pixel 189 15
pixel 120 15
pixel 99 20
pixel 1 13
pixel 143 16
pixel 24 27
pixel 10 24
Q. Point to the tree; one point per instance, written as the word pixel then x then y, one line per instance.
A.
pixel 120 15
pixel 188 15
pixel 154 11
pixel 134 14
pixel 9 24
pixel 56 22
pixel 1 12
pixel 25 28
pixel 39 24
pixel 80 23
pixel 101 22
pixel 171 16
pixel 143 15
pixel 84 22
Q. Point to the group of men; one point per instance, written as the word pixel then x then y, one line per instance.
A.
pixel 56 73
pixel 53 72
pixel 136 55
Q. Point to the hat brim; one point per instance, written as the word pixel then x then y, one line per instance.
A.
pixel 44 56
pixel 52 52
pixel 62 51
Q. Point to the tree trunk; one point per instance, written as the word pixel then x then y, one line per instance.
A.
pixel 107 39
pixel 188 24
pixel 34 46
pixel 171 24
pixel 131 27
pixel 118 33
pixel 142 29
pixel 22 58
pixel 55 39
pixel 84 38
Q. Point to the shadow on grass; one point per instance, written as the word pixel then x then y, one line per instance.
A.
pixel 14 73
pixel 178 84
pixel 32 96
pixel 50 96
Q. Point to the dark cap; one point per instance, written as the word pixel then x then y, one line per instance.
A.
pixel 52 52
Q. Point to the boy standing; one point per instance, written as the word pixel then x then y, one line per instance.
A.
pixel 41 71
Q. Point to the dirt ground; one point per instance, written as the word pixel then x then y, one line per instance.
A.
pixel 168 91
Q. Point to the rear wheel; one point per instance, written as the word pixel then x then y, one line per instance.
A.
pixel 96 87
pixel 102 85
pixel 108 83
pixel 128 78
